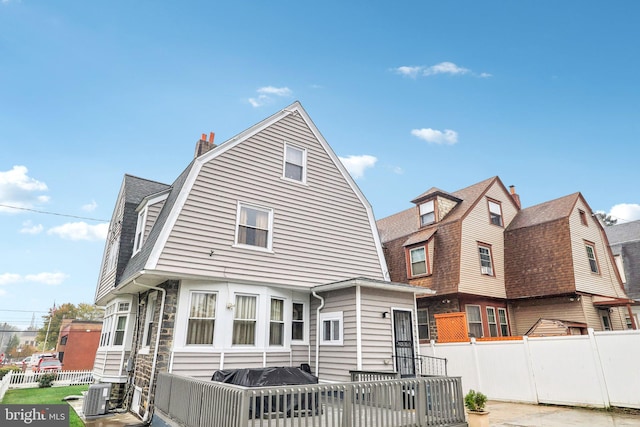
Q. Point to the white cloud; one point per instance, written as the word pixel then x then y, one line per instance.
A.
pixel 266 94
pixel 448 137
pixel 90 207
pixel 44 278
pixel 625 212
pixel 356 165
pixel 8 278
pixel 47 278
pixel 441 68
pixel 81 231
pixel 20 190
pixel 29 228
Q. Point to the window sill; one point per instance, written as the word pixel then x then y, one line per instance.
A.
pixel 144 350
pixel 253 248
pixel 332 344
pixel 294 181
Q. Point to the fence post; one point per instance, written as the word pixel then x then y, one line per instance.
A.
pixel 602 381
pixel 476 363
pixel 529 362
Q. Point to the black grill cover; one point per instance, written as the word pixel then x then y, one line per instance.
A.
pixel 259 377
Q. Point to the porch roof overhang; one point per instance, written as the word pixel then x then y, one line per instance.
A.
pixel 420 236
pixel 373 284
pixel 600 301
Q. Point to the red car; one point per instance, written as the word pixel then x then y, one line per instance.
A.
pixel 48 365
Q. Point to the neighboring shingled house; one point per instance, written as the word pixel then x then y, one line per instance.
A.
pixel 504 266
pixel 262 242
pixel 624 239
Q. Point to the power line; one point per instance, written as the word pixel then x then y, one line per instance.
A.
pixel 53 213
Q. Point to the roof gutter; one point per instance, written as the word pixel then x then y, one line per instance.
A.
pixel 147 415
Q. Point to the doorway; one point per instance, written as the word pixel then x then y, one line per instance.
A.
pixel 403 343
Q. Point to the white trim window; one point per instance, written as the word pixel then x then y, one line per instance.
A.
pixel 427 213
pixel 139 238
pixel 149 318
pixel 112 260
pixel 474 320
pixel 295 163
pixel 591 255
pixel 276 322
pixel 502 319
pixel 297 322
pixel 418 258
pixel 486 265
pixel 115 323
pixel 331 328
pixel 423 324
pixel 495 213
pixel 492 322
pixel 244 320
pixel 202 318
pixel 254 226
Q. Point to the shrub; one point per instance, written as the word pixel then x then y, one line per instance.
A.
pixel 4 371
pixel 46 380
pixel 475 401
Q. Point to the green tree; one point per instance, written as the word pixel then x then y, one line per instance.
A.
pixel 605 219
pixel 48 334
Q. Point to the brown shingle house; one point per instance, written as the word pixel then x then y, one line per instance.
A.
pixel 504 266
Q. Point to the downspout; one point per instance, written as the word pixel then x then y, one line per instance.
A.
pixel 320 307
pixel 147 414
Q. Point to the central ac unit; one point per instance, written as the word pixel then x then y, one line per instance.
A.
pixel 96 401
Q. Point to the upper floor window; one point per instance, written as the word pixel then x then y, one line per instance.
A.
pixel 254 226
pixel 418 261
pixel 139 238
pixel 583 217
pixel 427 213
pixel 495 212
pixel 244 321
pixel 150 313
pixel 591 255
pixel 112 260
pixel 331 328
pixel 276 322
pixel 297 322
pixel 295 160
pixel 474 320
pixel 423 324
pixel 202 318
pixel 486 265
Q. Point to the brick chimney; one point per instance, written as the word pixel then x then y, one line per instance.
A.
pixel 203 145
pixel 515 196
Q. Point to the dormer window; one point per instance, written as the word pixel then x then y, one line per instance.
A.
pixel 139 238
pixel 295 160
pixel 495 213
pixel 427 213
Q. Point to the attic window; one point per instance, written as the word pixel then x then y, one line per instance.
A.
pixel 495 213
pixel 591 255
pixel 427 213
pixel 295 160
pixel 486 266
pixel 139 239
pixel 583 217
pixel 254 226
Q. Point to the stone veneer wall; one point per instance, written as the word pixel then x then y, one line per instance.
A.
pixel 143 362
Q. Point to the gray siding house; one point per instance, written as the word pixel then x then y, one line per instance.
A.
pixel 260 243
pixel 624 240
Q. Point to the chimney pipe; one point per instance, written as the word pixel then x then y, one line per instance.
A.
pixel 515 196
pixel 202 145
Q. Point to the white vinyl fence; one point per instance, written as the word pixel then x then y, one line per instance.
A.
pixel 601 369
pixel 30 379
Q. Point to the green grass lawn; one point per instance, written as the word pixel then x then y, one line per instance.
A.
pixel 45 396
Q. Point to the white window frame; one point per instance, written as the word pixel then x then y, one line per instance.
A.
pixel 491 311
pixel 303 152
pixel 497 211
pixel 336 321
pixel 140 226
pixel 269 211
pixel 502 324
pixel 189 318
pixel 411 263
pixel 115 310
pixel 255 319
pixel 469 322
pixel 485 269
pixel 302 321
pixel 592 257
pixel 281 322
pixel 427 213
pixel 418 311
pixel 112 258
pixel 149 321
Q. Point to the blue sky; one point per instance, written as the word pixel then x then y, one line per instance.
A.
pixel 412 94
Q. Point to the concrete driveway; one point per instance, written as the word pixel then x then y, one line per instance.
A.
pixel 504 414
